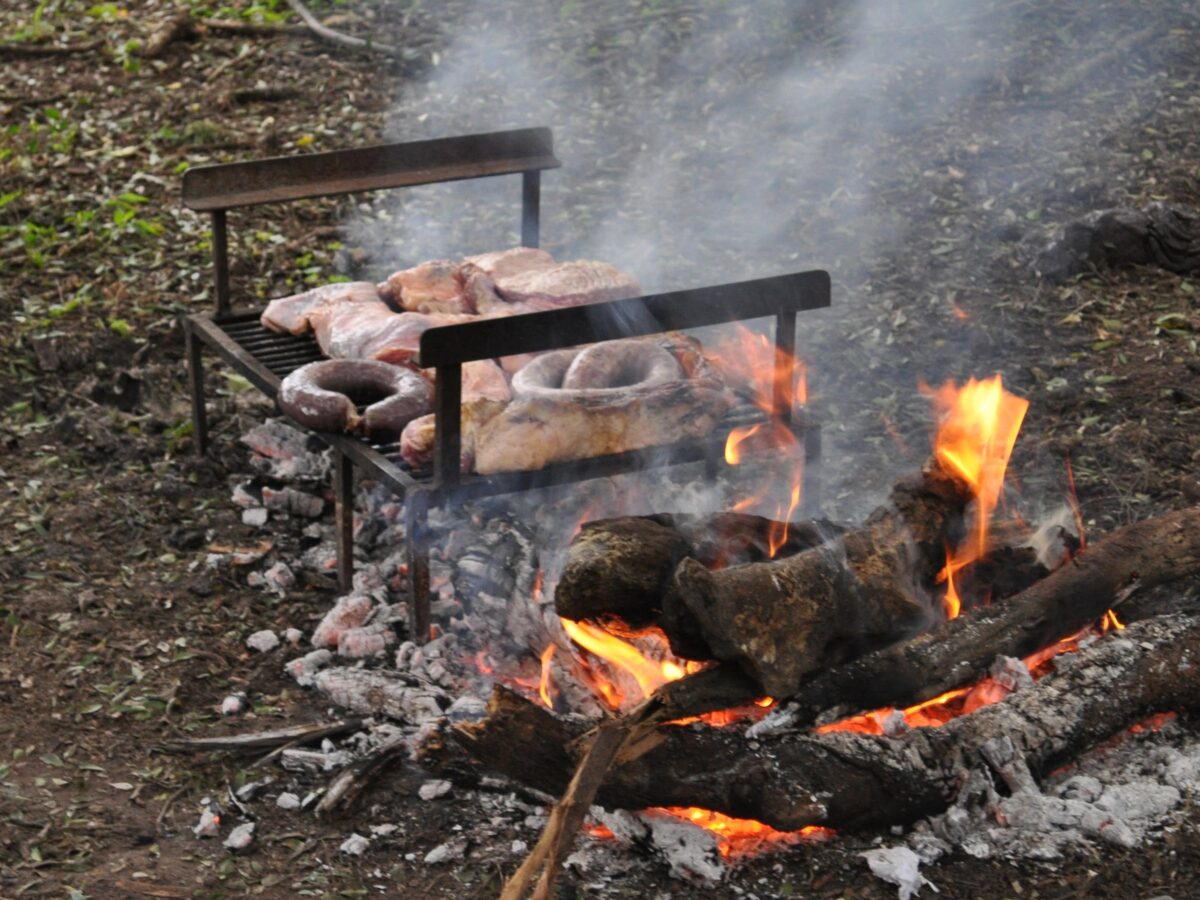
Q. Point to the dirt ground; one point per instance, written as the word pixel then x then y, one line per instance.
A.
pixel 115 636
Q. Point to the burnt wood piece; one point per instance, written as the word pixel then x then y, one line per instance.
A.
pixel 1136 557
pixel 785 619
pixel 854 781
pixel 623 566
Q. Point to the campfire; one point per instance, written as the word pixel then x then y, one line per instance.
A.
pixel 719 684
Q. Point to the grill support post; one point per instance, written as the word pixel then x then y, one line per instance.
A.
pixel 195 368
pixel 220 243
pixel 531 203
pixel 416 513
pixel 343 492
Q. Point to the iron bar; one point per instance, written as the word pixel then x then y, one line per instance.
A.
pixel 220 243
pixel 195 367
pixel 343 491
pixel 531 204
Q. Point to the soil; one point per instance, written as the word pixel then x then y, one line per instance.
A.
pixel 117 637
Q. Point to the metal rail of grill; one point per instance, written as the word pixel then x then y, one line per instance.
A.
pixel 266 357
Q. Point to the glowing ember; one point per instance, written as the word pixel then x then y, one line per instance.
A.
pixel 960 701
pixel 741 837
pixel 978 426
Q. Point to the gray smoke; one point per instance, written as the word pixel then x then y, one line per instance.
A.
pixel 709 142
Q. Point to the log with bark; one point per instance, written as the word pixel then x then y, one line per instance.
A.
pixel 622 567
pixel 785 619
pixel 856 781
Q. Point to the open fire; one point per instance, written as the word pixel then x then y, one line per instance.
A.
pixel 978 425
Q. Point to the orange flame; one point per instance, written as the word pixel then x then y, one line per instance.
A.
pixel 740 837
pixel 544 686
pixel 978 426
pixel 648 674
pixel 760 369
pixel 960 701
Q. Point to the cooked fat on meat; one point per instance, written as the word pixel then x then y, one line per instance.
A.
pixel 559 424
pixel 568 284
pixel 503 264
pixel 397 339
pixel 533 432
pixel 292 314
pixel 432 287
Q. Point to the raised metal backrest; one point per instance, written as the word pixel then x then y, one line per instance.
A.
pixel 219 188
pixel 448 347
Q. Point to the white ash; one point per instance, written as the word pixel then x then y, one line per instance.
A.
pixel 365 642
pixel 326 759
pixel 305 668
pixel 690 852
pixel 241 837
pixel 263 641
pixel 293 502
pixel 355 845
pixel 287 800
pixel 349 611
pixel 373 692
pixel 898 866
pixel 1116 795
pixel 431 790
pixel 256 517
pixel 252 789
pixel 385 830
pixel 279 579
pixel 247 495
pixel 452 850
pixel 233 704
pixel 285 452
pixel 209 824
pixel 293 636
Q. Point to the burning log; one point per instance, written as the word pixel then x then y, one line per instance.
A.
pixel 856 781
pixel 623 566
pixel 1136 557
pixel 779 620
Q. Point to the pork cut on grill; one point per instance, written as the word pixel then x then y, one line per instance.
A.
pixel 556 424
pixel 662 390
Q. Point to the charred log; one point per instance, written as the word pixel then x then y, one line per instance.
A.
pixel 622 566
pixel 1136 557
pixel 855 781
pixel 783 620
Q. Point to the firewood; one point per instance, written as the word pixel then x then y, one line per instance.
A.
pixel 856 781
pixel 785 619
pixel 1136 557
pixel 622 566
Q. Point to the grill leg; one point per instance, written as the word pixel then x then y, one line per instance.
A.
pixel 343 490
pixel 195 366
pixel 416 513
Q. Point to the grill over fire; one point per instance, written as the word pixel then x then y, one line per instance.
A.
pixel 718 613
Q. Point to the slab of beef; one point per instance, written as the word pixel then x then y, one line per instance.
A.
pixel 432 287
pixel 397 339
pixel 504 264
pixel 568 284
pixel 439 286
pixel 292 314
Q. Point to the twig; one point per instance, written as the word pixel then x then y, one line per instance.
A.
pixel 265 739
pixel 336 37
pixel 31 51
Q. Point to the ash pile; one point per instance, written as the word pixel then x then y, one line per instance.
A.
pixel 493 572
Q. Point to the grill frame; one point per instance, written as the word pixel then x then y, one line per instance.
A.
pixel 266 357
